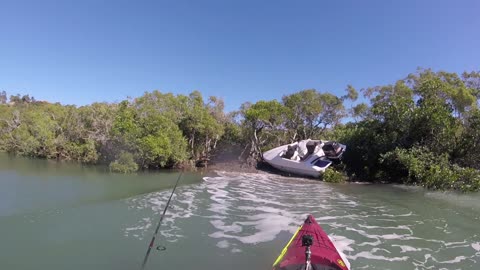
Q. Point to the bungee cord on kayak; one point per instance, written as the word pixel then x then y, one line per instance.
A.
pixel 160 248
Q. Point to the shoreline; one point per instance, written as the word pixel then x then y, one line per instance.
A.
pixel 233 166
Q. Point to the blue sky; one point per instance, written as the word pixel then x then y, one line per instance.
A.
pixel 78 52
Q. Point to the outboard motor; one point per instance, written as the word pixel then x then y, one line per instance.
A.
pixel 332 150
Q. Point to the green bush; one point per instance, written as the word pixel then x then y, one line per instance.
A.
pixel 468 179
pixel 419 166
pixel 333 176
pixel 124 164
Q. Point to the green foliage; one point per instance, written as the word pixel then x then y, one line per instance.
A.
pixel 3 97
pixel 423 130
pixel 203 124
pixel 265 114
pixel 125 123
pixel 233 133
pixel 310 113
pixel 419 166
pixel 333 176
pixel 163 130
pixel 352 93
pixel 305 114
pixel 163 145
pixel 360 111
pixel 467 152
pixel 124 164
pixel 158 130
pixel 468 179
pixel 261 126
pixel 83 152
pixel 419 131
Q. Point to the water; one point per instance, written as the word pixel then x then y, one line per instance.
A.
pixel 65 216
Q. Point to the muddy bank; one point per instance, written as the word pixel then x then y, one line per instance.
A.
pixel 228 158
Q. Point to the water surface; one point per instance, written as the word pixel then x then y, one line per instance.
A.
pixel 66 216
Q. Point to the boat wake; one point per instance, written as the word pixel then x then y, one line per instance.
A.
pixel 241 210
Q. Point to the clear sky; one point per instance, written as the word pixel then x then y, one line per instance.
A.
pixel 78 52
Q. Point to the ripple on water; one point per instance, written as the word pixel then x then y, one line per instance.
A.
pixel 246 209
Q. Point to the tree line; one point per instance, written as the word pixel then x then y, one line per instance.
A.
pixel 155 130
pixel 422 130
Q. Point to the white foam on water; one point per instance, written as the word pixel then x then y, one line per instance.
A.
pixel 371 256
pixel 336 217
pixel 219 224
pixel 392 236
pixel 405 248
pixel 342 244
pixel 400 227
pixel 266 229
pixel 402 215
pixel 455 243
pixel 246 209
pixel 456 260
pixel 223 244
pixel 183 206
pixel 140 227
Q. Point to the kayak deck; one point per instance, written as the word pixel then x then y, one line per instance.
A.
pixel 324 255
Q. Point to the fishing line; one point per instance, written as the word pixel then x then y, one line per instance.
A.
pixel 158 225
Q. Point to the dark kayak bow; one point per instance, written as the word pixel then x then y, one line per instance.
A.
pixel 311 249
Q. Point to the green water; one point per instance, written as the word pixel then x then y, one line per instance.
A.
pixel 66 216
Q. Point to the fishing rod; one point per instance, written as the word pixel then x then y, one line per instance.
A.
pixel 159 223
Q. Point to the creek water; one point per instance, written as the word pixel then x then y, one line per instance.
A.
pixel 67 216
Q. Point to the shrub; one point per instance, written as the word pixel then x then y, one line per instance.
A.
pixel 421 167
pixel 124 164
pixel 333 176
pixel 468 179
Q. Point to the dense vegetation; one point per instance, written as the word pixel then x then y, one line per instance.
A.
pixel 156 130
pixel 422 130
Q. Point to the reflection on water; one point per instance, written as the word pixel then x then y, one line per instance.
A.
pixel 376 227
